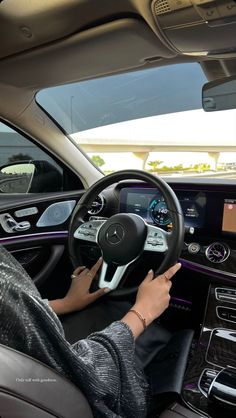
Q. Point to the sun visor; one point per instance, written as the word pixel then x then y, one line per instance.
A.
pixel 115 46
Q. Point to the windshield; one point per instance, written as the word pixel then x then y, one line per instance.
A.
pixel 148 119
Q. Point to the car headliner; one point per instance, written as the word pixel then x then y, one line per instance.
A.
pixel 61 41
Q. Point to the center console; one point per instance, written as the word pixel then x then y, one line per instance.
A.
pixel 209 213
pixel 210 382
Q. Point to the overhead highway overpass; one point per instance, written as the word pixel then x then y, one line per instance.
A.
pixel 192 131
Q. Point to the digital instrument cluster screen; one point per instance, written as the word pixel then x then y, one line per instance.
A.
pixel 151 206
pixel 229 216
pixel 137 201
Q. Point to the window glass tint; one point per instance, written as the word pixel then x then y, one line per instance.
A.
pixel 151 119
pixel 24 167
pixel 108 100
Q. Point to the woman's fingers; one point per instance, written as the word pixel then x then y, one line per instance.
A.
pixel 96 266
pixel 149 277
pixel 97 294
pixel 90 274
pixel 78 270
pixel 86 272
pixel 168 274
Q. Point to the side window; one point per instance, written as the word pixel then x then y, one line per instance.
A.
pixel 26 168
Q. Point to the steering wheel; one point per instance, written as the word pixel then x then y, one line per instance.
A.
pixel 123 237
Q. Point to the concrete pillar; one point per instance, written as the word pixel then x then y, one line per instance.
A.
pixel 142 156
pixel 213 157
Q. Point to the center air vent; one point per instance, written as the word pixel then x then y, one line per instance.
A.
pixel 217 252
pixel 97 205
pixel 206 380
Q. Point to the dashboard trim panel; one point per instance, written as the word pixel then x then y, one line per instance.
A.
pixel 206 270
pixel 30 237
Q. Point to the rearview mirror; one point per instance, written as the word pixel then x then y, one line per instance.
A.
pixel 219 94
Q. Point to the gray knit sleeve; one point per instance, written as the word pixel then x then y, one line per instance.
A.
pixel 103 365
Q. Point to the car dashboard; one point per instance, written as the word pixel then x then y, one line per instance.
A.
pixel 209 210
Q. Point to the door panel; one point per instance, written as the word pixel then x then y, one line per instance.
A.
pixel 42 247
pixel 40 261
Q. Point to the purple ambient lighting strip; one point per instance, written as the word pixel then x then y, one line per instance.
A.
pixel 30 237
pixel 207 270
pixel 181 300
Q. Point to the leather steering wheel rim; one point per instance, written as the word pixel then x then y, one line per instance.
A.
pixel 175 243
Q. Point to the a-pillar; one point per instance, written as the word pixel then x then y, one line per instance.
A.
pixel 213 157
pixel 142 156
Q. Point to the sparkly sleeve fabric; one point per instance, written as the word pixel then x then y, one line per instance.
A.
pixel 102 365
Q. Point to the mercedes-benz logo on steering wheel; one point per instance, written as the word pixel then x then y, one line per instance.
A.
pixel 115 234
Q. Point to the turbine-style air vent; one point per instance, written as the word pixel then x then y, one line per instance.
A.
pixel 97 205
pixel 217 252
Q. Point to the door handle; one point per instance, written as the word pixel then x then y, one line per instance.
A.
pixel 10 225
pixel 21 226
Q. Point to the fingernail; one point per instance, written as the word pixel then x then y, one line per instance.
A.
pixel 100 259
pixel 150 271
pixel 106 290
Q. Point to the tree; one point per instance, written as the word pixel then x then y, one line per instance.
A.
pixel 201 167
pixel 154 164
pixel 98 160
pixel 19 157
pixel 178 167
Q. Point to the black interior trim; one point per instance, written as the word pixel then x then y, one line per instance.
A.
pixel 47 269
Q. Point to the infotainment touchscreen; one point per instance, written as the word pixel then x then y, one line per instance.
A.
pixel 229 216
pixel 193 204
pixel 150 205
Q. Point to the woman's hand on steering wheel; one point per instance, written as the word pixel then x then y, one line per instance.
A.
pixel 151 301
pixel 153 293
pixel 78 295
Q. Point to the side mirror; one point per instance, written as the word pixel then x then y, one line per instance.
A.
pixel 219 94
pixel 37 176
pixel 16 178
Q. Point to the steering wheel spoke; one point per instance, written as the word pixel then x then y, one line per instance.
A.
pixel 156 240
pixel 88 231
pixel 111 282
